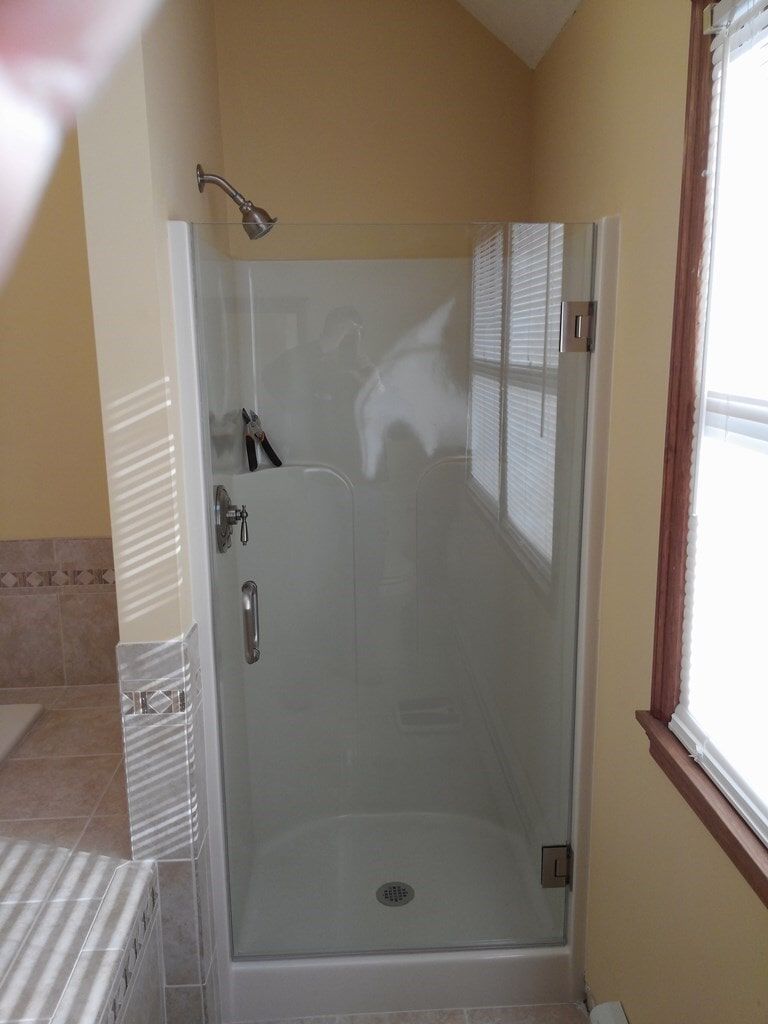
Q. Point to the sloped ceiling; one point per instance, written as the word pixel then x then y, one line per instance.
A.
pixel 528 27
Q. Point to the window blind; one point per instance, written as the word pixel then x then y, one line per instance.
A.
pixel 723 710
pixel 535 291
pixel 516 295
pixel 486 351
pixel 487 295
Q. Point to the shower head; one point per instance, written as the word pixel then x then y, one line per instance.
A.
pixel 256 221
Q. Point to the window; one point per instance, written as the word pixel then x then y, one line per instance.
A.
pixel 711 664
pixel 516 295
pixel 486 372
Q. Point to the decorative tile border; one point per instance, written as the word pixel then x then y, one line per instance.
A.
pixel 47 579
pixel 153 702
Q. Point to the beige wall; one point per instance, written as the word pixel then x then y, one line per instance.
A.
pixel 52 453
pixel 419 90
pixel 673 930
pixel 392 110
pixel 164 99
pixel 372 110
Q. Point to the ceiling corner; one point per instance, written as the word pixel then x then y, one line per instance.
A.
pixel 527 27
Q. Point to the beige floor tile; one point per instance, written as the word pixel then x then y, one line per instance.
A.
pixel 184 1004
pixel 48 696
pixel 29 871
pixel 53 831
pixel 54 787
pixel 95 696
pixel 60 733
pixel 115 800
pixel 108 835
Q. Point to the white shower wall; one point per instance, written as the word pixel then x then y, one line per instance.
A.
pixel 360 369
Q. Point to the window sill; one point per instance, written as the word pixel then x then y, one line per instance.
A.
pixel 726 825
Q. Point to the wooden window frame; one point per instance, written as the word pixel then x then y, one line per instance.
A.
pixel 737 839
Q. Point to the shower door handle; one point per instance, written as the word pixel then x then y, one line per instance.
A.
pixel 250 594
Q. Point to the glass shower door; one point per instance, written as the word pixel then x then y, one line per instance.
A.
pixel 402 750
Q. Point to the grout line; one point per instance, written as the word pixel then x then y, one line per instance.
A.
pixel 64 757
pixel 61 639
pixel 63 817
pixel 57 757
pixel 47 901
pixel 112 778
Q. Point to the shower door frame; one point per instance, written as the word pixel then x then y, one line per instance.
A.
pixel 260 990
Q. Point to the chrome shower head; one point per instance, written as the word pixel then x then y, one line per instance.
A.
pixel 256 221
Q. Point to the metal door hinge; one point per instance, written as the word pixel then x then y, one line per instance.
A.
pixel 556 866
pixel 577 326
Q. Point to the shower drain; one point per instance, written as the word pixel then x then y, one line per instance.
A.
pixel 395 894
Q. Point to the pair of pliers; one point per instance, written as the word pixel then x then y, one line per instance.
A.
pixel 254 436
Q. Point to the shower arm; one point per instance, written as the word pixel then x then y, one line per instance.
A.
pixel 204 179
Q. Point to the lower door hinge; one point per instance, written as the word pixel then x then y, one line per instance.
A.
pixel 577 326
pixel 556 864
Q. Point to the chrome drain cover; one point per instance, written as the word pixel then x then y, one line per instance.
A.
pixel 395 894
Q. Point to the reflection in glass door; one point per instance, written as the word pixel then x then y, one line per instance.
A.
pixel 402 749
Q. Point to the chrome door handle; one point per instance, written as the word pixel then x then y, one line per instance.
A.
pixel 250 594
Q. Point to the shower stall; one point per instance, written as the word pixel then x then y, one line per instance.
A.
pixel 394 649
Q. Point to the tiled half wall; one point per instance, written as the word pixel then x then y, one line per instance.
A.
pixel 160 695
pixel 58 618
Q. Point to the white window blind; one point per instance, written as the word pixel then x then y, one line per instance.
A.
pixel 516 295
pixel 722 717
pixel 487 329
pixel 535 291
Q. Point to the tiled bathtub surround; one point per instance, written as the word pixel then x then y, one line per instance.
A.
pixel 75 932
pixel 164 752
pixel 74 923
pixel 58 618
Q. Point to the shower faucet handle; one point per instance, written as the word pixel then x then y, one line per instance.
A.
pixel 239 515
pixel 226 516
